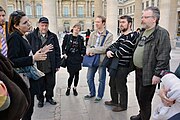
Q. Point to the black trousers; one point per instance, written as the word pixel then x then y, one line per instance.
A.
pixel 113 92
pixel 35 88
pixel 144 95
pixel 48 86
pixel 75 76
pixel 118 87
pixel 29 113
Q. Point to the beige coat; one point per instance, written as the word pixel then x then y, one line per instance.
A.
pixel 100 49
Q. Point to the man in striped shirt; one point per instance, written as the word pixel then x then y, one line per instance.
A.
pixel 123 50
pixel 3 45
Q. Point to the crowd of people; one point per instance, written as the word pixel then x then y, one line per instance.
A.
pixel 24 53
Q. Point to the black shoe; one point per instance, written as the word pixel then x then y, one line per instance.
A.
pixel 51 101
pixel 118 109
pixel 40 104
pixel 75 92
pixel 110 103
pixel 135 117
pixel 68 91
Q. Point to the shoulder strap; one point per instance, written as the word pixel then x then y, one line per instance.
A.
pixel 104 38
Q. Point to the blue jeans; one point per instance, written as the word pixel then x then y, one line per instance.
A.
pixel 102 78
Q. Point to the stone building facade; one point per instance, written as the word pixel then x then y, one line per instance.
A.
pixel 63 14
pixel 68 12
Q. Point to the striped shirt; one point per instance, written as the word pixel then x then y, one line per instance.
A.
pixel 123 48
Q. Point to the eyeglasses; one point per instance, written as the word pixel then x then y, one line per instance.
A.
pixel 146 17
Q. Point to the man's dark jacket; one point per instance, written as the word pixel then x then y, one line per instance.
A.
pixel 36 44
pixel 17 90
pixel 156 54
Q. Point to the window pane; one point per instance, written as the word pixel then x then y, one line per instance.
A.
pixel 120 12
pixel 147 3
pixel 39 10
pixel 152 2
pixel 28 11
pixel 80 11
pixel 10 9
pixel 65 11
pixel 142 6
pixel 92 10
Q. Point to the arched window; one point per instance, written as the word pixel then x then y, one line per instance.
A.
pixel 82 25
pixel 28 10
pixel 38 10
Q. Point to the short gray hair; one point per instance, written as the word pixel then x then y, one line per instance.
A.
pixel 156 12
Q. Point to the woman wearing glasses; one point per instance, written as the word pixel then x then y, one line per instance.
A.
pixel 20 51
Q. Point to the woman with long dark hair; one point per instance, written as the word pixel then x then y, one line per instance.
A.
pixel 73 49
pixel 20 51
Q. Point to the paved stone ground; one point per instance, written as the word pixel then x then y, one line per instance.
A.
pixel 76 108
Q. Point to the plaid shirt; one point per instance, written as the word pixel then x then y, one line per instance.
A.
pixel 156 54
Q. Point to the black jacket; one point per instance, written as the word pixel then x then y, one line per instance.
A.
pixel 36 44
pixel 18 50
pixel 67 43
pixel 74 60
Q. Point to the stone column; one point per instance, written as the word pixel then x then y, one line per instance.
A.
pixel 60 8
pixel 18 5
pixel 137 14
pixel 75 8
pixel 49 11
pixel 57 6
pixel 103 8
pixel 3 3
pixel 112 17
pixel 90 10
pixel 22 4
pixel 98 7
pixel 168 18
pixel 87 8
pixel 72 8
pixel 33 8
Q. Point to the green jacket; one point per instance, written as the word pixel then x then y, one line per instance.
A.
pixel 156 54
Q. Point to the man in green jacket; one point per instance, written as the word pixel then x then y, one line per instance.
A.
pixel 151 57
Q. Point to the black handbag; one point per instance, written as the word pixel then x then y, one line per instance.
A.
pixel 63 62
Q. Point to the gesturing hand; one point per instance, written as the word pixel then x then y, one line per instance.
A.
pixel 47 48
pixel 39 56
